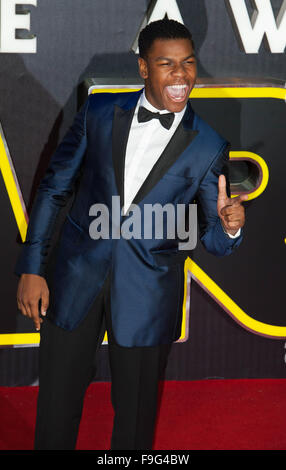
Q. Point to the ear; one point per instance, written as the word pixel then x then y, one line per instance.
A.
pixel 143 69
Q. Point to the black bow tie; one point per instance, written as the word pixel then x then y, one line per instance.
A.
pixel 166 119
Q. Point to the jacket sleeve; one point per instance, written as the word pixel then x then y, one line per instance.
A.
pixel 212 235
pixel 54 190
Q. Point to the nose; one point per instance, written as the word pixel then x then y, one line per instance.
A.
pixel 179 71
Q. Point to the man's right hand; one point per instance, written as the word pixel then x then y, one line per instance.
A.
pixel 31 289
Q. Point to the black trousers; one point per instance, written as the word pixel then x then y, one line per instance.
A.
pixel 66 368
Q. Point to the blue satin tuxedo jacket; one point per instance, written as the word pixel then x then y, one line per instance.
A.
pixel 147 275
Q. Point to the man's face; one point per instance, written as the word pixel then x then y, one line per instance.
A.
pixel 169 72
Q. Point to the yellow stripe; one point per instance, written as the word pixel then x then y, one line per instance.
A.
pixel 114 90
pixel 228 304
pixel 216 92
pixel 184 326
pixel 19 339
pixel 11 187
pixel 242 155
pixel 239 92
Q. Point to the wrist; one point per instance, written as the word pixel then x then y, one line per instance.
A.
pixel 230 232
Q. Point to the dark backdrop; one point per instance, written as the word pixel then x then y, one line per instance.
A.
pixel 77 40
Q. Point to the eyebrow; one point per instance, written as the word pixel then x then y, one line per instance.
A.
pixel 168 58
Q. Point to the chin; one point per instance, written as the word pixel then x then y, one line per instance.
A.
pixel 175 107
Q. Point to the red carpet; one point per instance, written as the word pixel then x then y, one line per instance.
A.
pixel 202 415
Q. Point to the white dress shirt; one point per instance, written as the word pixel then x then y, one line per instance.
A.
pixel 146 142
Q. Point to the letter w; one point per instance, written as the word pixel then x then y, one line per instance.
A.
pixel 262 23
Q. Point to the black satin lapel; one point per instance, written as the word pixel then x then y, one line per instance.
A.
pixel 122 120
pixel 178 143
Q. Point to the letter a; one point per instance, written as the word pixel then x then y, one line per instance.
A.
pixel 157 11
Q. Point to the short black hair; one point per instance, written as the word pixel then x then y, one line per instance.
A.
pixel 161 29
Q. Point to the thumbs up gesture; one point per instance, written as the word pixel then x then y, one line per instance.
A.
pixel 230 210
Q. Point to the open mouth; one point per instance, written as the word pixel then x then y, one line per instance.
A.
pixel 177 93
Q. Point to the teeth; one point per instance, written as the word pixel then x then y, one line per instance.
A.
pixel 177 92
pixel 178 86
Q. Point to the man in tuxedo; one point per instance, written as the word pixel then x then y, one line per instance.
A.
pixel 145 147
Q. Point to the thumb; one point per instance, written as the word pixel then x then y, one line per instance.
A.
pixel 222 187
